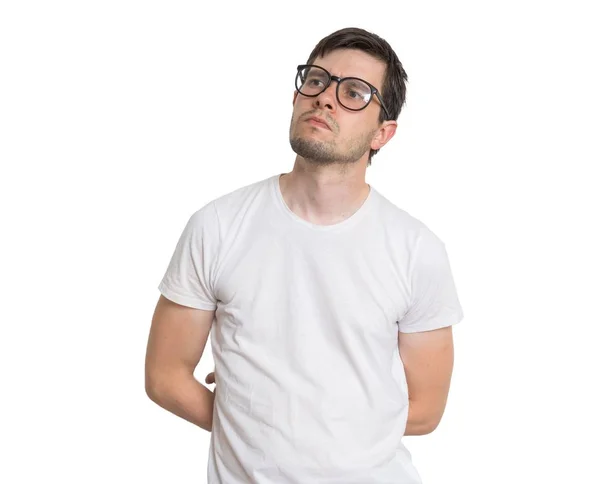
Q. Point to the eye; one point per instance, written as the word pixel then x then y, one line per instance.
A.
pixel 353 91
pixel 314 82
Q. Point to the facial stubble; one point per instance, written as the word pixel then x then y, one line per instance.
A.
pixel 325 153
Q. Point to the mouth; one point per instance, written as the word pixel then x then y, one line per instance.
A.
pixel 318 122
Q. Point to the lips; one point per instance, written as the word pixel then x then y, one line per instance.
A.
pixel 319 121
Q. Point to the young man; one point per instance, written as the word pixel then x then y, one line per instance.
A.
pixel 330 308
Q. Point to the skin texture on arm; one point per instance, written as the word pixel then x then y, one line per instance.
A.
pixel 177 339
pixel 428 359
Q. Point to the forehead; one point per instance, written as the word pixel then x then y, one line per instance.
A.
pixel 353 63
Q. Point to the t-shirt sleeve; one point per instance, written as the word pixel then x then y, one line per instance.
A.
pixel 189 276
pixel 434 300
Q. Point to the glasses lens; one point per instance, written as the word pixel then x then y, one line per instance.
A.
pixel 354 93
pixel 311 81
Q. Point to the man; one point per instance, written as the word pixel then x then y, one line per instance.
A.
pixel 330 308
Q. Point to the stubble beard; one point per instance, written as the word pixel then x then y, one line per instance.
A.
pixel 325 153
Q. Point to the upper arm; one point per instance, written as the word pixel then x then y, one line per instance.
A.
pixel 177 339
pixel 428 359
pixel 433 299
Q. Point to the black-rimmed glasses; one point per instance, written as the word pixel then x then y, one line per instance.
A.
pixel 353 93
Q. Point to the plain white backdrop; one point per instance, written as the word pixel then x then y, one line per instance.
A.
pixel 119 119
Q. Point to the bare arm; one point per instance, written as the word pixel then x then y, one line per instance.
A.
pixel 176 342
pixel 428 358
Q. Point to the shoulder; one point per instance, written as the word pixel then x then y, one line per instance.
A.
pixel 240 197
pixel 402 226
pixel 220 213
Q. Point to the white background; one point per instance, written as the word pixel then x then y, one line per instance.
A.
pixel 119 119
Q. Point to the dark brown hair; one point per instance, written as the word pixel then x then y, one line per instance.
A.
pixel 393 90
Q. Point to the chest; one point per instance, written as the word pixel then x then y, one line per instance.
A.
pixel 274 286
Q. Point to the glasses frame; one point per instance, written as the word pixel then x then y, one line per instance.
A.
pixel 331 77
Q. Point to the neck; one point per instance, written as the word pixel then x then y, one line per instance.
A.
pixel 324 195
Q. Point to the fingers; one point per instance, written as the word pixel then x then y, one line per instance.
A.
pixel 210 378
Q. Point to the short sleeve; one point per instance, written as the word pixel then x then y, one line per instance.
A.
pixel 188 279
pixel 434 300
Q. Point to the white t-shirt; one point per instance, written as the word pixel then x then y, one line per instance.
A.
pixel 310 385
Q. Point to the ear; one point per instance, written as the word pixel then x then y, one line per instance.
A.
pixel 295 96
pixel 385 133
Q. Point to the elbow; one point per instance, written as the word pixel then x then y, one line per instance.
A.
pixel 155 379
pixel 155 385
pixel 420 428
pixel 159 384
pixel 422 420
pixel 151 388
pixel 429 427
pixel 431 423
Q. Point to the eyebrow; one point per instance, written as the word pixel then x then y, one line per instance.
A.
pixel 345 77
pixel 354 80
pixel 316 71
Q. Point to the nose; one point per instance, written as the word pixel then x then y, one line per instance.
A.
pixel 327 98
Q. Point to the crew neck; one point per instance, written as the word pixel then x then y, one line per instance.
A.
pixel 344 224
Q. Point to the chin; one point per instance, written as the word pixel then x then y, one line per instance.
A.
pixel 313 150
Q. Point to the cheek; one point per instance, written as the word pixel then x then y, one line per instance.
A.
pixel 361 127
pixel 294 124
pixel 295 115
pixel 301 106
pixel 351 128
pixel 297 108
